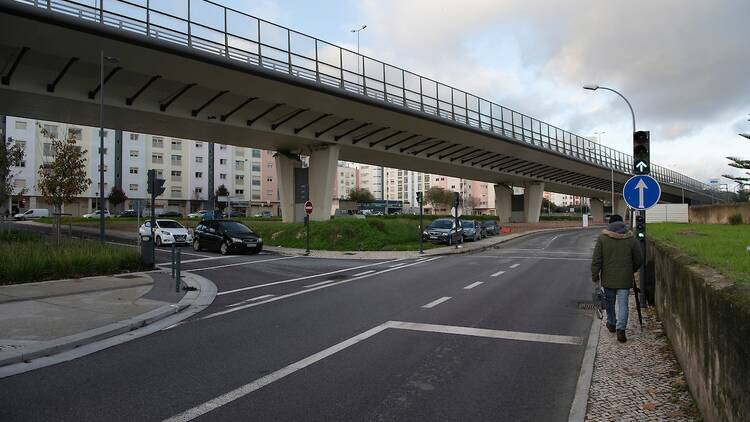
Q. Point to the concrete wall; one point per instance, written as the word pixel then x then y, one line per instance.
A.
pixel 707 320
pixel 719 214
pixel 667 213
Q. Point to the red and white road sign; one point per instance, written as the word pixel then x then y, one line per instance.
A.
pixel 308 207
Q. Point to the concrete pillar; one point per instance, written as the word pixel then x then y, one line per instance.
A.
pixel 322 176
pixel 621 208
pixel 285 175
pixel 532 201
pixel 597 210
pixel 503 202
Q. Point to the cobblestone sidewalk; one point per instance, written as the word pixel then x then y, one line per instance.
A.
pixel 639 380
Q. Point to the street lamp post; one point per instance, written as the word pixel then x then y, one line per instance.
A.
pixel 359 58
pixel 102 58
pixel 593 87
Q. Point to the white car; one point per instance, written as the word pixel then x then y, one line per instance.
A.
pixel 197 214
pixel 96 214
pixel 167 232
pixel 32 213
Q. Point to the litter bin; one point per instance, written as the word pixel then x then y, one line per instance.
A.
pixel 147 251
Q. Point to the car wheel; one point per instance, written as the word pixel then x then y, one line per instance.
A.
pixel 256 250
pixel 158 241
pixel 196 245
pixel 224 248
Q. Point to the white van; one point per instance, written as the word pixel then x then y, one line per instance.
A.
pixel 32 213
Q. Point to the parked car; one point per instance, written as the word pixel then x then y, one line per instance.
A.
pixel 32 213
pixel 492 228
pixel 197 214
pixel 167 232
pixel 264 214
pixel 226 236
pixel 128 213
pixel 171 214
pixel 472 230
pixel 482 230
pixel 234 214
pixel 442 230
pixel 96 214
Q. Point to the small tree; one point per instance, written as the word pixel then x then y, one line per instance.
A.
pixel 741 181
pixel 64 178
pixel 438 196
pixel 117 196
pixel 360 195
pixel 222 191
pixel 11 154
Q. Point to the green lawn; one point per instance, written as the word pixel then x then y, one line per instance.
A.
pixel 27 257
pixel 720 246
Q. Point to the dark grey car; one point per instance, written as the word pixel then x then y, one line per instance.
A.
pixel 442 230
pixel 491 227
pixel 472 230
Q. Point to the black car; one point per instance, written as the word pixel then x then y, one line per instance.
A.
pixel 170 214
pixel 442 230
pixel 128 213
pixel 226 236
pixel 491 227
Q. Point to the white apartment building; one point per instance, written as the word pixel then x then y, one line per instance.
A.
pixel 370 178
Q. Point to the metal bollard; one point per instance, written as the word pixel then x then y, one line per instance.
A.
pixel 173 259
pixel 177 278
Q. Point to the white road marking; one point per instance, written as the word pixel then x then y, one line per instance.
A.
pixel 300 278
pixel 321 283
pixel 259 383
pixel 482 332
pixel 240 263
pixel 472 285
pixel 246 389
pixel 550 242
pixel 395 265
pixel 301 292
pixel 497 273
pixel 436 302
pixel 363 273
pixel 253 299
pixel 515 265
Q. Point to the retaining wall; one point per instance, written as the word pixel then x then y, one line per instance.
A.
pixel 706 317
pixel 719 214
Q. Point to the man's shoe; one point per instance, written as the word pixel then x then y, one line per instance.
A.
pixel 621 336
pixel 611 327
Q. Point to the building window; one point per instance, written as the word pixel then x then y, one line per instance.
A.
pixel 157 158
pixel 256 181
pixel 176 175
pixel 239 152
pixel 198 174
pixel 21 125
pixel 223 161
pixel 133 187
pixel 223 147
pixel 176 191
pixel 239 191
pixel 133 136
pixel 256 153
pixel 75 133
pixel 256 196
pixel 133 170
pixel 133 153
pixel 222 176
pixel 51 131
pixel 199 145
pixel 21 164
pixel 239 178
pixel 157 142
pixel 198 190
pixel 270 164
pixel 19 183
pixel 20 144
pixel 176 160
pixel 159 173
pixel 239 165
pixel 198 159
pixel 256 167
pixel 176 145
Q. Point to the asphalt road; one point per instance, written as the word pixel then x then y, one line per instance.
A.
pixel 495 335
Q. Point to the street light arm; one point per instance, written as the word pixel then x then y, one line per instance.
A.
pixel 632 113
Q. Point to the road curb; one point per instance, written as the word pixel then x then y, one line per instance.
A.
pixel 193 302
pixel 580 401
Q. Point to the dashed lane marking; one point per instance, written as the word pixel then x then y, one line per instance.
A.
pixel 515 265
pixel 253 299
pixel 497 274
pixel 472 285
pixel 321 283
pixel 437 302
pixel 363 273
pixel 240 263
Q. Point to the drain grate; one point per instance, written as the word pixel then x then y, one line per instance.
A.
pixel 586 305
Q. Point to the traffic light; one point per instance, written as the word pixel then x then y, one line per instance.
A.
pixel 641 154
pixel 456 200
pixel 640 227
pixel 420 197
pixel 155 186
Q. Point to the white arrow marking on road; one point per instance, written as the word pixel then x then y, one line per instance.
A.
pixel 640 186
pixel 641 165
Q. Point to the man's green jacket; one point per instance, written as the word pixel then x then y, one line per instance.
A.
pixel 616 257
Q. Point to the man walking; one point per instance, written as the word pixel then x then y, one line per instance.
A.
pixel 617 256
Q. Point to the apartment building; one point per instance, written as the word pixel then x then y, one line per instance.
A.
pixel 371 178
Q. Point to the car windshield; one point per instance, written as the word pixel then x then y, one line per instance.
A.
pixel 234 227
pixel 467 224
pixel 166 224
pixel 441 224
pixel 489 223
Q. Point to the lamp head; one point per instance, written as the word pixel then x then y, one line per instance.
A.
pixel 591 87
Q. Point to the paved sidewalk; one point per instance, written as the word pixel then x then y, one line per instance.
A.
pixel 641 379
pixel 37 319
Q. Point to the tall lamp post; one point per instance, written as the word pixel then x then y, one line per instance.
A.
pixel 102 59
pixel 359 58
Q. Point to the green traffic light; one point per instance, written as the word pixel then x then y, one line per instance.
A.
pixel 641 235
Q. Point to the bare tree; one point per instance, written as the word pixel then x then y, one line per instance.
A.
pixel 64 178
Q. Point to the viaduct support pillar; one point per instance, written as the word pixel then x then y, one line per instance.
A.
pixel 532 201
pixel 597 210
pixel 503 202
pixel 322 176
pixel 285 166
pixel 621 208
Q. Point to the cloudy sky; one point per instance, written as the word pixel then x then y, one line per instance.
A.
pixel 683 64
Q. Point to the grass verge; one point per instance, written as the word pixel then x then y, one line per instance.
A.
pixel 27 257
pixel 723 247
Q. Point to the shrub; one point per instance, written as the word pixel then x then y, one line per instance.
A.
pixel 735 219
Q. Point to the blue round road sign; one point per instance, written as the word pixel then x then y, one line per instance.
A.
pixel 641 192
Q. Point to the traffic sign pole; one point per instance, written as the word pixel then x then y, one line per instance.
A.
pixel 308 211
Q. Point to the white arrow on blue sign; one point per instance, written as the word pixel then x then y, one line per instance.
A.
pixel 641 192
